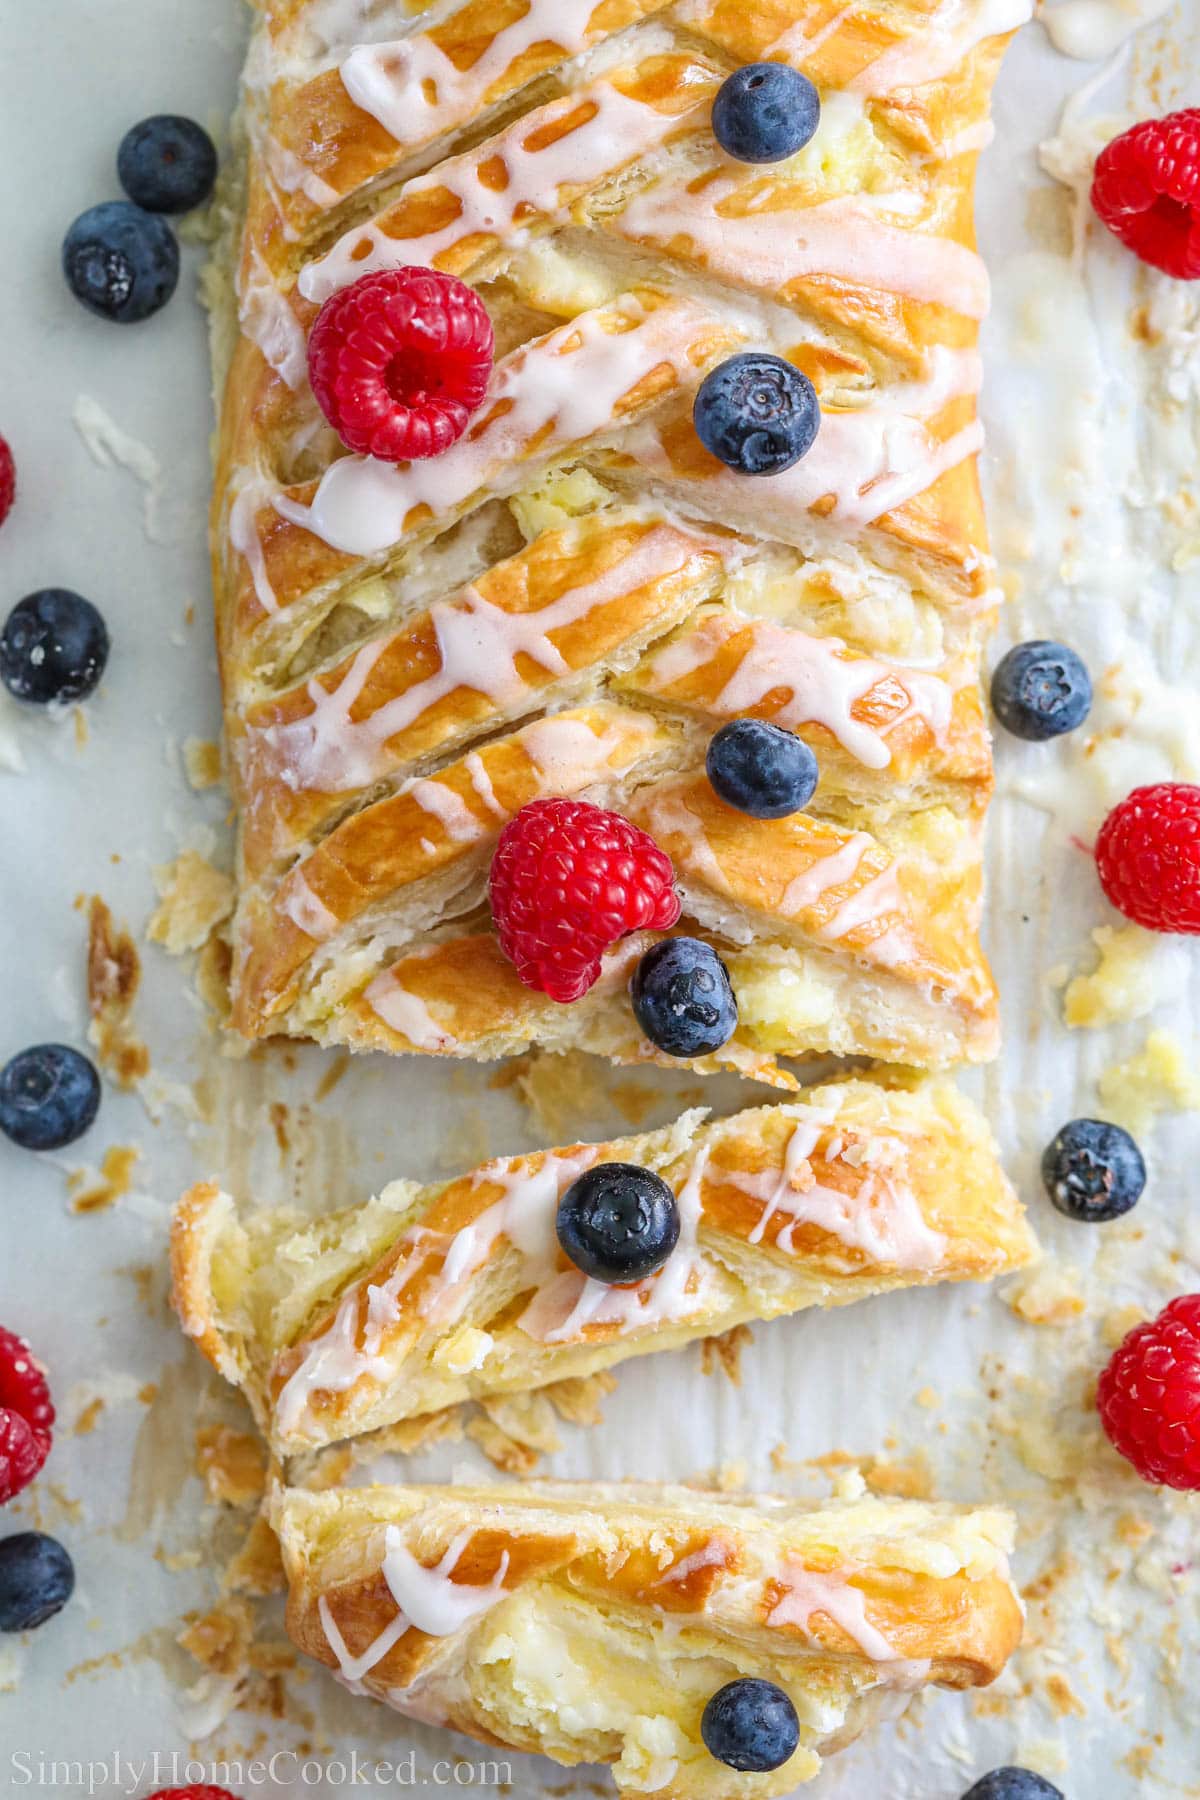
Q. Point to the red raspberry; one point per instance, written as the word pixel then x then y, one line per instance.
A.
pixel 399 362
pixel 567 881
pixel 1149 1396
pixel 1148 857
pixel 8 480
pixel 1146 189
pixel 26 1415
pixel 193 1793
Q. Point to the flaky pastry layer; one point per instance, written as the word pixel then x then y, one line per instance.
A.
pixel 428 1296
pixel 576 595
pixel 591 1623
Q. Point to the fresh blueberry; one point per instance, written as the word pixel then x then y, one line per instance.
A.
pixel 1013 1784
pixel 54 646
pixel 761 769
pixel 750 1725
pixel 37 1578
pixel 48 1097
pixel 167 164
pixel 1040 690
pixel 757 413
pixel 1093 1171
pixel 122 263
pixel 683 998
pixel 618 1222
pixel 764 112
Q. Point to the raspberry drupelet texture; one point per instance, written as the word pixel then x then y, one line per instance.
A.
pixel 1146 189
pixel 399 361
pixel 568 880
pixel 193 1793
pixel 26 1415
pixel 8 480
pixel 1149 1396
pixel 1148 857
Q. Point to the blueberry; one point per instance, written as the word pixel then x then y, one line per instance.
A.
pixel 618 1222
pixel 750 1725
pixel 122 263
pixel 764 112
pixel 683 998
pixel 757 413
pixel 1040 690
pixel 761 769
pixel 54 646
pixel 167 164
pixel 1093 1171
pixel 37 1578
pixel 1013 1784
pixel 48 1097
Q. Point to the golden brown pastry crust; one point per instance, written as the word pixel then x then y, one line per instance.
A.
pixel 430 1296
pixel 579 554
pixel 592 1622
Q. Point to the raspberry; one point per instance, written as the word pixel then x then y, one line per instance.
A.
pixel 8 480
pixel 26 1415
pixel 1146 189
pixel 1149 1396
pixel 567 881
pixel 193 1793
pixel 399 362
pixel 1148 857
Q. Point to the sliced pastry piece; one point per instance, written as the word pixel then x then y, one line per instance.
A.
pixel 428 1296
pixel 596 1623
pixel 576 592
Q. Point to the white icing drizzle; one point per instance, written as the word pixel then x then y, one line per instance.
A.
pixel 566 1305
pixel 869 459
pixel 290 174
pixel 940 44
pixel 804 890
pixel 561 389
pixel 535 173
pixel 565 751
pixel 450 809
pixel 406 1013
pixel 243 537
pixel 809 1591
pixel 825 684
pixel 306 909
pixel 268 321
pixel 478 646
pixel 881 1219
pixel 841 237
pixel 525 1215
pixel 415 91
pixel 481 782
pixel 427 1600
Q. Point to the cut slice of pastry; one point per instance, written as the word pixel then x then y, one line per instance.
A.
pixel 575 595
pixel 429 1296
pixel 594 1623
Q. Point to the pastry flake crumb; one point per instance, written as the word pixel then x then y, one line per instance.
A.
pixel 220 1640
pixel 526 1418
pixel 1046 1295
pixel 114 974
pixel 194 899
pixel 92 1190
pixel 1161 1077
pixel 724 1353
pixel 231 1466
pixel 577 1399
pixel 911 1479
pixel 509 1456
pixel 1125 984
pixel 407 1436
pixel 257 1568
pixel 202 763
